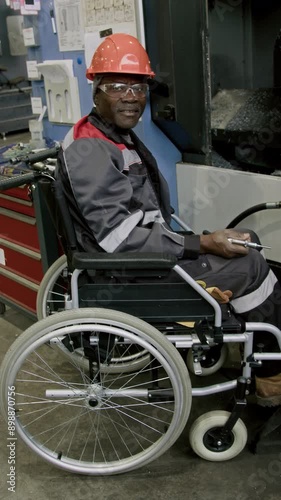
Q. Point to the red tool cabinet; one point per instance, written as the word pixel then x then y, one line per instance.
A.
pixel 28 246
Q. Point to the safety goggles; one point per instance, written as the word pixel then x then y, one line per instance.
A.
pixel 119 90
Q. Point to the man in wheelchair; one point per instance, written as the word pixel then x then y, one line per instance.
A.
pixel 119 201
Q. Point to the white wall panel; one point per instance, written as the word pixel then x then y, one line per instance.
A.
pixel 210 197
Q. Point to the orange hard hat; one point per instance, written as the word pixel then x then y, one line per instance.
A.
pixel 120 53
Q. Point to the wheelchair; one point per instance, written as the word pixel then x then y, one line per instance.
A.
pixel 99 383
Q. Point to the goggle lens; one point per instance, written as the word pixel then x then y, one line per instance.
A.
pixel 117 90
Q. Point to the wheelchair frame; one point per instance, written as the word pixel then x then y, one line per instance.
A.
pixel 215 436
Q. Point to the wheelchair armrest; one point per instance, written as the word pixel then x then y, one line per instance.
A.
pixel 94 261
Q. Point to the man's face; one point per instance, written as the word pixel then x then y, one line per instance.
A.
pixel 124 112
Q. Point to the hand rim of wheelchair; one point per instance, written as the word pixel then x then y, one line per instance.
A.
pixel 115 323
pixel 45 304
pixel 205 443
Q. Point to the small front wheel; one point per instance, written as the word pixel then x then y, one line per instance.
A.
pixel 208 442
pixel 215 359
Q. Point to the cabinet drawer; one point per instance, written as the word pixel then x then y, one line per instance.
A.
pixel 20 259
pixel 18 290
pixel 19 228
pixel 21 192
pixel 16 204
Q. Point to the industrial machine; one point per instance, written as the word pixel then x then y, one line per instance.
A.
pixel 220 79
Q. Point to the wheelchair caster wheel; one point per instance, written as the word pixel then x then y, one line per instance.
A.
pixel 206 441
pixel 215 359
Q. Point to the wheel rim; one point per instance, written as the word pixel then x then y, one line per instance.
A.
pixel 212 358
pixel 83 430
pixel 214 441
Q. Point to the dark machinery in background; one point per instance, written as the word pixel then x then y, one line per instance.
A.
pixel 177 42
pixel 218 65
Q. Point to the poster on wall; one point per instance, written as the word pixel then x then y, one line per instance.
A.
pixel 118 15
pixel 69 23
pixel 75 19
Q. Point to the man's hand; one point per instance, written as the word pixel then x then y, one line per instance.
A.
pixel 217 243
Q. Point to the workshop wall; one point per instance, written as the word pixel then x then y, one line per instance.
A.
pixel 165 152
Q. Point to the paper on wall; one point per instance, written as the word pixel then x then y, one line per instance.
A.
pixel 29 37
pixel 32 70
pixel 69 24
pixel 36 105
pixel 102 14
pixel 26 12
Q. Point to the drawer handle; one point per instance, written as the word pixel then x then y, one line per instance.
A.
pixel 19 279
pixel 17 216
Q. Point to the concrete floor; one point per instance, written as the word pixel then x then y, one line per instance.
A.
pixel 179 474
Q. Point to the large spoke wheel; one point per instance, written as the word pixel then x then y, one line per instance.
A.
pixel 208 441
pixel 87 421
pixel 51 299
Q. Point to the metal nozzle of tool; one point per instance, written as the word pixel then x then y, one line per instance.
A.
pixel 247 244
